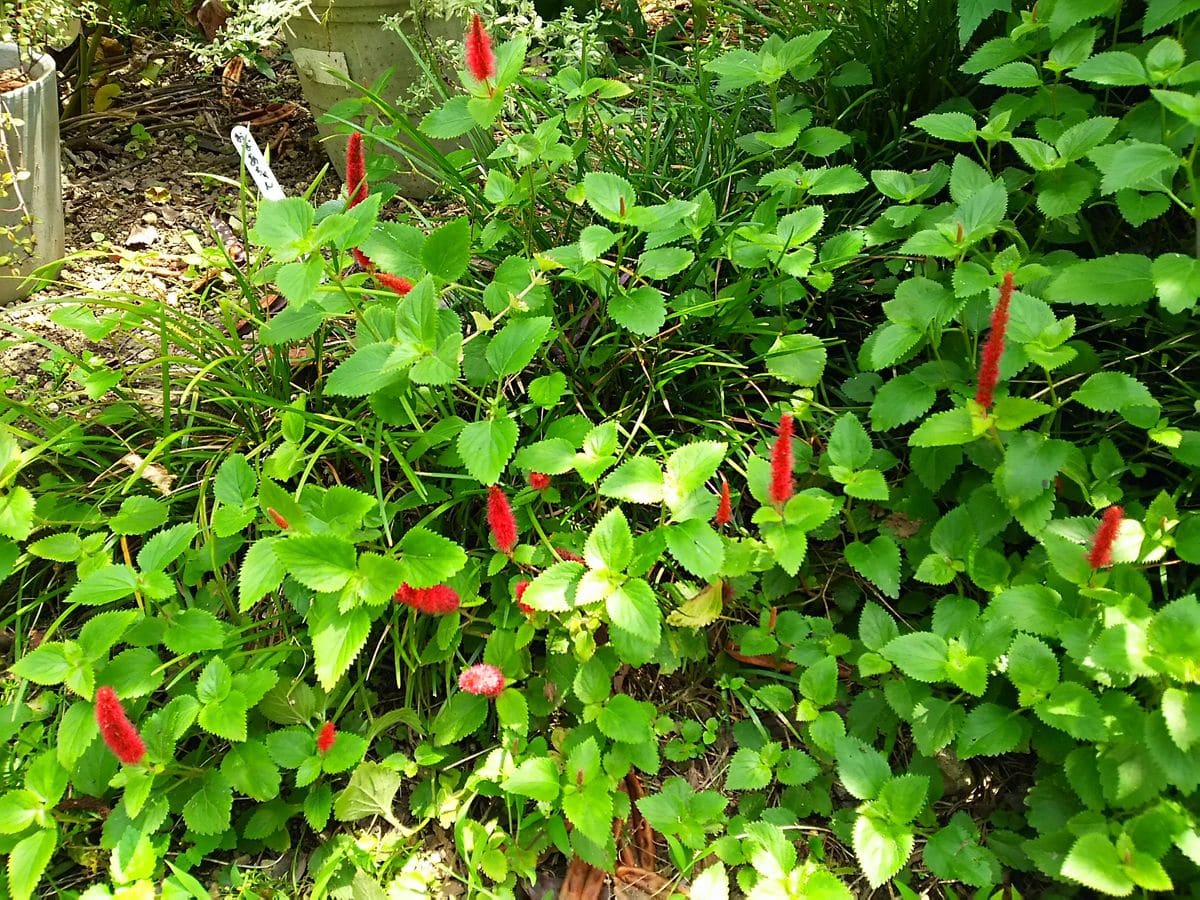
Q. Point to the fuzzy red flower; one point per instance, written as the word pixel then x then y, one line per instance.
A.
pixel 501 520
pixel 993 347
pixel 482 679
pixel 326 737
pixel 438 600
pixel 481 60
pixel 278 519
pixel 362 259
pixel 725 508
pixel 116 729
pixel 568 556
pixel 782 483
pixel 356 172
pixel 1100 555
pixel 538 481
pixel 397 284
pixel 519 590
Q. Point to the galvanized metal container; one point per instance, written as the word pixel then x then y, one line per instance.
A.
pixel 31 206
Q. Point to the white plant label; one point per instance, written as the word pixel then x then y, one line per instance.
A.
pixel 256 163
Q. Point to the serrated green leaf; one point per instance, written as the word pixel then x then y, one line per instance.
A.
pixel 27 862
pixel 209 809
pixel 989 730
pixel 637 480
pixel 485 447
pixel 882 847
pixel 323 562
pixel 428 559
pixel 515 345
pixel 878 562
pixel 337 638
pixel 1095 863
pixel 920 655
pixel 862 769
pixel 535 778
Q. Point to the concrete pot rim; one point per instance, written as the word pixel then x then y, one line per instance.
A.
pixel 43 69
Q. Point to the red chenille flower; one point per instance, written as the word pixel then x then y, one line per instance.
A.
pixel 725 508
pixel 362 259
pixel 116 729
pixel 481 60
pixel 397 284
pixel 993 347
pixel 501 520
pixel 538 481
pixel 568 556
pixel 782 484
pixel 1100 555
pixel 482 679
pixel 438 600
pixel 278 519
pixel 519 590
pixel 326 737
pixel 356 172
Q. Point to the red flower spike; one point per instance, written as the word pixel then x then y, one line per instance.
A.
pixel 362 259
pixel 116 729
pixel 568 556
pixel 278 519
pixel 481 60
pixel 326 737
pixel 397 284
pixel 538 481
pixel 782 483
pixel 356 171
pixel 1100 555
pixel 993 347
pixel 439 600
pixel 725 508
pixel 501 520
pixel 483 680
pixel 519 590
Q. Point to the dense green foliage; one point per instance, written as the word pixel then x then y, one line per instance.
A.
pixel 917 670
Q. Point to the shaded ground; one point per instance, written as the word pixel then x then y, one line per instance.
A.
pixel 145 175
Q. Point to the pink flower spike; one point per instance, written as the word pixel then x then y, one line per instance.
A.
pixel 481 60
pixel 356 171
pixel 397 284
pixel 439 600
pixel 725 508
pixel 326 737
pixel 501 520
pixel 482 680
pixel 538 481
pixel 782 483
pixel 993 347
pixel 118 732
pixel 1100 556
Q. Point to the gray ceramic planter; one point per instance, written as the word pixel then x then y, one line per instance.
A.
pixel 345 37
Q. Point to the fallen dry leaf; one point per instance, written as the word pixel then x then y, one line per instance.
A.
pixel 141 236
pixel 152 472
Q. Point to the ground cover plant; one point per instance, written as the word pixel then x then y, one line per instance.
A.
pixel 694 508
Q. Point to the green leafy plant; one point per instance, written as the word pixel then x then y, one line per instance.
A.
pixel 603 520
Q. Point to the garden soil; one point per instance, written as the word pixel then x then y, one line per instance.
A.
pixel 146 174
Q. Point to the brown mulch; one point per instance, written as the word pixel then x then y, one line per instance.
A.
pixel 143 190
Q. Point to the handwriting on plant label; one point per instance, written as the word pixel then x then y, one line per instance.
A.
pixel 256 163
